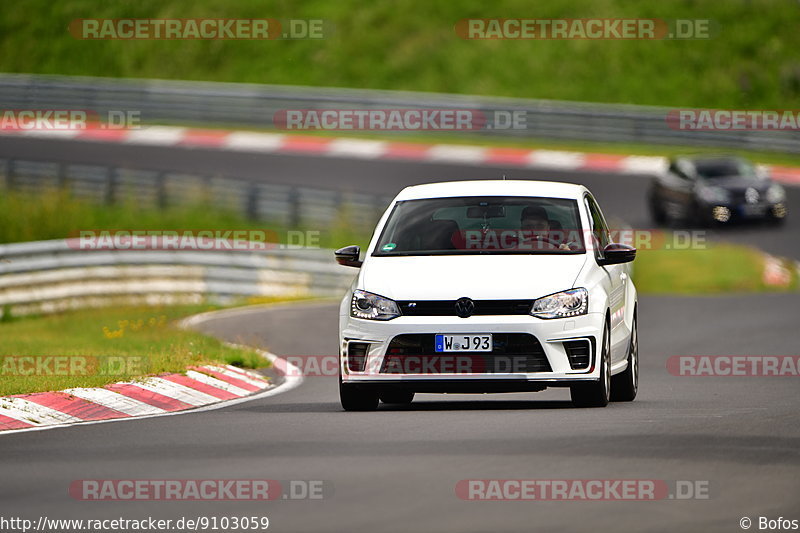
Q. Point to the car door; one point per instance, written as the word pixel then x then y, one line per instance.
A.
pixel 616 276
pixel 678 190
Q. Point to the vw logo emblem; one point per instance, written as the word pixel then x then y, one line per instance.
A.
pixel 464 307
pixel 751 195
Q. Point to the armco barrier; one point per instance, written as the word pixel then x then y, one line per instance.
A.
pixel 49 276
pixel 232 104
pixel 286 205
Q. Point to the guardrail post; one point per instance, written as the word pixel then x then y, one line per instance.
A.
pixel 251 202
pixel 111 185
pixel 161 190
pixel 62 176
pixel 294 208
pixel 10 170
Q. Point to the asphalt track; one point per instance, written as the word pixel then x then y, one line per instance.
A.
pixel 396 469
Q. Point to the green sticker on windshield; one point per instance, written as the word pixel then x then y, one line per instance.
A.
pixel 389 247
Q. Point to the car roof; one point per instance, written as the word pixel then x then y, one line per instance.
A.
pixel 548 189
pixel 710 158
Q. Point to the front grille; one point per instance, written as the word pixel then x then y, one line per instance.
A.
pixel 511 353
pixel 579 353
pixel 448 307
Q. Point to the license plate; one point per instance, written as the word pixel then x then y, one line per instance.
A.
pixel 464 343
pixel 752 210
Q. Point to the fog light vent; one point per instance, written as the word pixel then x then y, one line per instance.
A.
pixel 357 356
pixel 579 353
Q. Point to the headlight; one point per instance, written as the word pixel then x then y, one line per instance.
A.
pixel 714 195
pixel 775 194
pixel 372 307
pixel 573 302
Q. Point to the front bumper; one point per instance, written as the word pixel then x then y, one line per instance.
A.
pixel 551 335
pixel 729 211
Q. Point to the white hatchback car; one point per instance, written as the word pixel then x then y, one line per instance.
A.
pixel 489 286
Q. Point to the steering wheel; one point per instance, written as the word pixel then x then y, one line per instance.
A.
pixel 546 240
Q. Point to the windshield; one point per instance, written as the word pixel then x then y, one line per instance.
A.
pixel 488 225
pixel 723 168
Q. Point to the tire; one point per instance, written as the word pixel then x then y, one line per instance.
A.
pixel 398 397
pixel 596 393
pixel 355 399
pixel 701 219
pixel 657 214
pixel 625 385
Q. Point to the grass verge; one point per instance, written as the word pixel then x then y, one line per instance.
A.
pixel 718 269
pixel 55 214
pixel 127 342
pixel 749 61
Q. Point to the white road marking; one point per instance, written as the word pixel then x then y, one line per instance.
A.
pixel 33 413
pixel 218 383
pixel 456 153
pixel 160 135
pixel 556 159
pixel 176 391
pixel 357 148
pixel 260 383
pixel 115 401
pixel 640 164
pixel 254 142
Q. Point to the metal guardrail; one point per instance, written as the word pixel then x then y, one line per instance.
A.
pixel 288 206
pixel 229 104
pixel 50 276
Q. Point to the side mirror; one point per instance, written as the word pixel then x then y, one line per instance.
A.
pixel 614 254
pixel 348 256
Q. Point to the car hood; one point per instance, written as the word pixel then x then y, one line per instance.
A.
pixel 738 183
pixel 480 277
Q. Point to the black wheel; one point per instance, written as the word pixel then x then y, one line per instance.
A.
pixel 625 385
pixel 699 218
pixel 656 213
pixel 355 399
pixel 402 397
pixel 596 393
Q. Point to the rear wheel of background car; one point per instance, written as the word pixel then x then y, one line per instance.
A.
pixel 625 384
pixel 355 399
pixel 699 218
pixel 401 397
pixel 596 393
pixel 657 214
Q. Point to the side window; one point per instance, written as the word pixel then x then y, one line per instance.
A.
pixel 684 169
pixel 600 234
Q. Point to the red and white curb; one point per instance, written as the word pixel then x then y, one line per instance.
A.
pixel 200 389
pixel 254 142
pixel 150 396
pixel 776 273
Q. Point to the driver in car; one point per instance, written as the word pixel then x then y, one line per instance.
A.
pixel 535 224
